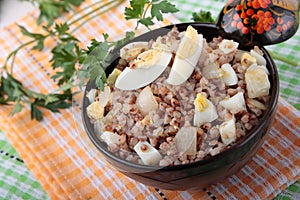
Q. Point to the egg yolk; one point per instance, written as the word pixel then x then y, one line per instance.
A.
pixel 147 59
pixel 190 45
pixel 247 59
pixel 200 102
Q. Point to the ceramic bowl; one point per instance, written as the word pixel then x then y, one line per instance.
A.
pixel 201 173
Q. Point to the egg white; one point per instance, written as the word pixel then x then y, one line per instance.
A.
pixel 131 79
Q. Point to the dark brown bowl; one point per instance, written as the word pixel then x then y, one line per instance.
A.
pixel 201 173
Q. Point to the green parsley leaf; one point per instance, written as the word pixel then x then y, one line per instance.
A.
pixel 135 11
pixel 128 36
pixel 57 101
pixel 51 9
pixel 138 10
pixel 146 21
pixel 65 56
pixel 38 37
pixel 17 108
pixel 99 82
pixel 50 99
pixel 95 60
pixel 202 16
pixel 35 112
pixel 162 7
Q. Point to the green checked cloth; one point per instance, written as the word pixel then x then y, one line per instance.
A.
pixel 17 182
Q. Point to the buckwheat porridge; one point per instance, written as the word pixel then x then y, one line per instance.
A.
pixel 179 99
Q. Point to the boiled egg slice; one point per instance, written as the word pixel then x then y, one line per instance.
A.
pixel 228 75
pixel 95 110
pixel 113 76
pixel 110 138
pixel 148 66
pixel 187 56
pixel 105 96
pixel 228 46
pixel 91 95
pixel 235 103
pixel 205 111
pixel 259 58
pixel 148 154
pixel 186 140
pixel 257 81
pixel 228 131
pixel 146 101
pixel 248 60
pixel 132 50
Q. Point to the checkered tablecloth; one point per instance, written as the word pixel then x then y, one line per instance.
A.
pixel 18 182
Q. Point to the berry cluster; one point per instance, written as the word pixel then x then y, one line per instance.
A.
pixel 253 14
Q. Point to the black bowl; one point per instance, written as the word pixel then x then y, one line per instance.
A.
pixel 201 173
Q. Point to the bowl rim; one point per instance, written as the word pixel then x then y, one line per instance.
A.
pixel 248 137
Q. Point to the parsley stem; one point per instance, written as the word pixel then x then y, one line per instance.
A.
pixel 143 16
pixel 91 12
pixel 12 55
pixel 276 56
pixel 97 14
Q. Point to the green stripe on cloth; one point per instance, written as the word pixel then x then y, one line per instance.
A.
pixel 289 76
pixel 16 181
pixel 292 192
pixel 5 147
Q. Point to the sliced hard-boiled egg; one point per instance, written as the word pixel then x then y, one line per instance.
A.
pixel 187 56
pixel 146 102
pixel 95 110
pixel 105 96
pixel 212 70
pixel 148 154
pixel 110 138
pixel 238 55
pixel 158 44
pixel 91 95
pixel 98 126
pixel 229 76
pixel 132 50
pixel 259 58
pixel 147 67
pixel 247 59
pixel 113 76
pixel 257 81
pixel 205 111
pixel 147 59
pixel 235 103
pixel 186 140
pixel 228 46
pixel 255 104
pixel 228 131
pixel 200 102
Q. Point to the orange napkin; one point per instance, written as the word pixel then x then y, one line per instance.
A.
pixel 61 157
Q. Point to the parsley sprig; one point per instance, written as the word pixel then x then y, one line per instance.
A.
pixel 138 10
pixel 202 16
pixel 52 9
pixel 67 54
pixel 97 57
